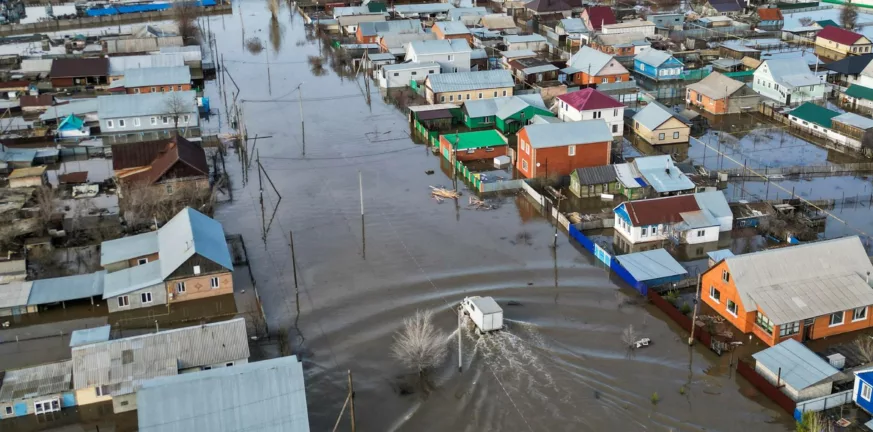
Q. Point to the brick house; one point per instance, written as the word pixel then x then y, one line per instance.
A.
pixel 452 30
pixel 591 67
pixel 559 148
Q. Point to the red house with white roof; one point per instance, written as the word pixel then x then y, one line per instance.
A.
pixel 842 41
pixel 589 104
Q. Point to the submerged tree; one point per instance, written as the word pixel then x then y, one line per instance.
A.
pixel 185 15
pixel 849 15
pixel 419 345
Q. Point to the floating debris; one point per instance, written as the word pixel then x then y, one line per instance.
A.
pixel 480 204
pixel 440 194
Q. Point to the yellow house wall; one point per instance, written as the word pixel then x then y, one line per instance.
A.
pixel 460 97
pixel 667 128
pixel 88 396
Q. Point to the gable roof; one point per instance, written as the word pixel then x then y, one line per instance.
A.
pixel 43 380
pixel 374 28
pixel 588 60
pixel 653 115
pixel 188 233
pixel 623 39
pixel 267 396
pixel 497 22
pixel 137 154
pixel 854 120
pixel 466 81
pixel 654 57
pixel 590 99
pixel 726 5
pixel 860 92
pixel 439 46
pixel 574 25
pixel 717 86
pixel 596 175
pixel 839 35
pixel 851 65
pixel 125 248
pixel 157 76
pixel 770 14
pixel 119 65
pixel 569 133
pixel 523 38
pixel 660 210
pixel 600 15
pixel 43 100
pixel 452 28
pixel 131 279
pixel 800 367
pixel 123 364
pixel 805 281
pixel 654 170
pixel 790 72
pixel 815 114
pixel 71 122
pixel 651 264
pixel 79 67
pixel 827 22
pixel 541 6
pixel 136 105
pixel 177 150
pixel 502 107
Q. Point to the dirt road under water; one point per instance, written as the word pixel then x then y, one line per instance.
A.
pixel 559 366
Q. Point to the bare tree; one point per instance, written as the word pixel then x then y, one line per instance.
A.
pixel 176 106
pixel 849 15
pixel 45 203
pixel 143 203
pixel 419 345
pixel 185 15
pixel 865 347
pixel 629 336
pixel 806 21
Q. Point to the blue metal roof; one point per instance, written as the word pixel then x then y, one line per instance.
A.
pixel 191 232
pixel 89 336
pixel 800 367
pixel 132 278
pixel 651 265
pixel 47 291
pixel 268 396
pixel 126 248
pixel 720 254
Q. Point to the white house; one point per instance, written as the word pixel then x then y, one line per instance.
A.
pixel 453 55
pixel 688 219
pixel 532 42
pixel 788 81
pixel 399 75
pixel 588 104
pixel 846 129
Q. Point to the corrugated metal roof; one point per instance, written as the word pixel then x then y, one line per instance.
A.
pixel 141 45
pixel 502 107
pixel 815 114
pixel 89 336
pixel 589 60
pixel 854 120
pixel 498 22
pixel 452 28
pixel 653 115
pixel 47 291
pixel 512 54
pixel 121 64
pixel 137 105
pixel 523 38
pixel 629 176
pixel 467 81
pixel 374 28
pixel 189 53
pixel 654 171
pixel 123 364
pixel 76 107
pixel 475 140
pixel 125 248
pixel 43 380
pixel 696 219
pixel 860 92
pixel 616 39
pixel 574 25
pixel 544 119
pixel 839 35
pixel 629 24
pixel 439 46
pixel 720 254
pixel 590 99
pixel 805 281
pixel 14 294
pixel 715 203
pixel 267 396
pixel 412 66
pixel 800 367
pixel 36 65
pixel 569 133
pixel 596 175
pixel 651 264
pixel 132 278
pixel 191 232
pixel 156 76
pixel 399 40
pixel 539 69
pixel 79 67
pixel 791 72
pixel 717 86
pixel 423 8
pixel 456 13
pixel 36 171
pixel 659 210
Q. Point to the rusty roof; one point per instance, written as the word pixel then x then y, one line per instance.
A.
pixel 73 177
pixel 138 154
pixel 42 100
pixel 176 150
pixel 79 67
pixel 660 210
pixel 770 14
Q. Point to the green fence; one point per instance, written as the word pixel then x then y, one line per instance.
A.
pixel 740 74
pixel 432 138
pixel 467 175
pixel 695 75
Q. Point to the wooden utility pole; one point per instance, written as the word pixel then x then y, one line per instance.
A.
pixel 363 233
pixel 694 316
pixel 293 256
pixel 302 124
pixel 460 351
pixel 351 401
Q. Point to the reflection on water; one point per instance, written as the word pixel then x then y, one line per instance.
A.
pixel 276 35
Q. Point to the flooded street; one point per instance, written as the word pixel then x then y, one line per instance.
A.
pixel 560 365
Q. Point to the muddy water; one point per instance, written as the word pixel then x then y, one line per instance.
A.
pixel 559 366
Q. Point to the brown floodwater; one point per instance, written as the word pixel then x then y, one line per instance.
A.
pixel 560 364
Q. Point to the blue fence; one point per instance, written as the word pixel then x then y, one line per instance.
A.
pixel 127 9
pixel 604 257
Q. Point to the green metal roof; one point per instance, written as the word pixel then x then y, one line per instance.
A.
pixel 71 122
pixel 825 23
pixel 377 7
pixel 475 140
pixel 815 114
pixel 860 92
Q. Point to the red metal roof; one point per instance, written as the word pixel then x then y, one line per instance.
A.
pixel 660 210
pixel 600 15
pixel 839 35
pixel 588 99
pixel 770 14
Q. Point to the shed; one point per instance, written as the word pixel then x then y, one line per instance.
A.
pixel 37 390
pixel 28 177
pixel 438 119
pixel 653 267
pixel 77 177
pixel 593 181
pixel 13 298
pixel 89 336
pixel 67 288
pixel 797 371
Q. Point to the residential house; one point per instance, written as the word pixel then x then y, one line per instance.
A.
pixel 499 22
pixel 549 10
pixel 843 41
pixel 718 94
pixel 28 177
pixel 788 81
pixel 13 298
pixel 587 104
pixel 508 56
pixel 805 292
pixel 574 29
pixel 423 11
pixel 849 70
pixel 667 21
pixel 660 175
pixel 859 97
pixel 689 219
pixel 796 371
pixel 622 45
pixel 770 19
pixel 452 30
pixel 591 67
pixel 401 74
pixel 156 79
pixel 37 390
pixel 35 103
pixel 533 70
pixel 593 181
pixel 556 149
pixel 72 127
pixel 847 129
pixel 728 8
pixel 533 42
pixel 657 125
pixel 268 395
pixel 349 23
pixel 595 17
pixel 467 15
pixel 507 114
pixel 452 55
pixel 470 146
pixel 396 43
pixel 116 369
pixel 79 72
pixel 646 28
pixel 658 65
pixel 369 32
pixel 135 113
pixel 168 167
pixel 142 45
pixel 863 390
pixel 186 259
pixel 83 108
pixel 119 65
pixel 463 86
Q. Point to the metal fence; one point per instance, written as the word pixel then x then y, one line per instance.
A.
pixel 801 170
pixel 823 403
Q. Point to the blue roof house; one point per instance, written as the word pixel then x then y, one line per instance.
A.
pixel 658 65
pixel 72 127
pixel 862 393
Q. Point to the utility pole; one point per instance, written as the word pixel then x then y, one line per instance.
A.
pixel 363 233
pixel 351 401
pixel 293 256
pixel 460 351
pixel 696 308
pixel 302 124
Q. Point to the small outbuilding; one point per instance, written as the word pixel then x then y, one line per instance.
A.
pixel 652 267
pixel 797 371
pixel 28 177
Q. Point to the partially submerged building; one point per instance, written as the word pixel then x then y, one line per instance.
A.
pixel 684 219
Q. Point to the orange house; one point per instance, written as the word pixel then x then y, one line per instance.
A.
pixel 452 30
pixel 804 292
pixel 719 94
pixel 590 66
pixel 559 148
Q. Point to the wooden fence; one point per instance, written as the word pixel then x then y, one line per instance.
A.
pixel 801 170
pixel 771 391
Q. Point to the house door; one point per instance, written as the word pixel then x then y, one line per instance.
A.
pixel 788 99
pixel 807 328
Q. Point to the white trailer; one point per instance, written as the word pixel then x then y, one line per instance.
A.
pixel 485 313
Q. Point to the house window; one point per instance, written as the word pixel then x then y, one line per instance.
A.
pixel 136 91
pixel 725 276
pixel 207 368
pixel 123 301
pixel 524 165
pixel 153 121
pixel 495 94
pixel 837 318
pixel 764 323
pixel 699 97
pixel 636 125
pixel 614 128
pixel 9 410
pixel 136 122
pixel 504 92
pixel 415 73
pixel 661 136
pixel 122 123
pixel 714 294
pixel 229 364
pixel 213 283
pixel 644 232
pixel 180 287
pixel 146 297
pixel 859 314
pixel 732 307
pixel 101 391
pixel 604 80
pixel 153 89
pixel 110 124
pixel 451 98
pixel 142 261
pixel 654 230
pixel 169 188
pixel 468 96
pixel 618 79
pixel 165 119
pixel 442 98
pixel 866 390
pixel 451 57
pixel 185 118
pixel 197 270
pixel 675 135
pixel 571 150
pixel 480 95
pixel 701 233
pixel 46 406
pixel 789 329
